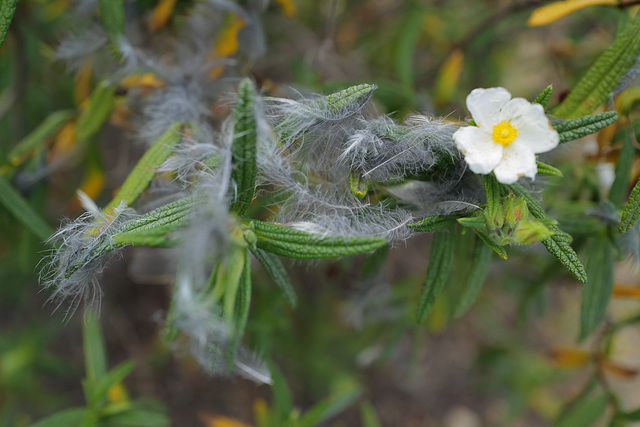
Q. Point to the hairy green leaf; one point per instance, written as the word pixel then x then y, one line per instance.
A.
pixel 277 272
pixel 244 147
pixel 480 263
pixel 97 112
pixel 597 291
pixel 7 9
pixel 433 223
pixel 618 190
pixel 38 136
pixel 493 210
pixel 583 126
pixel 345 100
pixel 144 171
pixel 22 210
pixel 286 241
pixel 603 77
pixel 112 17
pixel 544 97
pixel 558 244
pixel 631 212
pixel 545 169
pixel 440 263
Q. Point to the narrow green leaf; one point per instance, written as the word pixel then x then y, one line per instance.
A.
pixel 493 211
pixel 585 414
pixel 499 249
pixel 406 46
pixel 286 241
pixel 544 97
pixel 277 272
pixel 597 291
pixel 158 227
pixel 7 9
pixel 369 415
pixel 244 147
pixel 116 375
pixel 623 169
pixel 38 136
pixel 95 359
pixel 545 169
pixel 282 400
pixel 568 130
pixel 630 416
pixel 440 262
pixel 558 245
pixel 22 210
pixel 242 302
pixel 433 223
pixel 480 263
pixel 631 212
pixel 112 17
pixel 67 418
pixel 358 184
pixel 603 76
pixel 144 171
pixel 137 418
pixel 340 102
pixel 327 408
pixel 97 112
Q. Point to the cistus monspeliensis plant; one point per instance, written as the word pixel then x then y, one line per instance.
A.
pixel 233 175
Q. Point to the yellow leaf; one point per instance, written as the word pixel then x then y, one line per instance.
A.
pixel 117 393
pixel 261 412
pixel 551 12
pixel 92 186
pixel 448 76
pixel 64 141
pixel 220 421
pixel 82 88
pixel 146 80
pixel 161 14
pixel 565 357
pixel 617 370
pixel 626 291
pixel 228 43
pixel 288 8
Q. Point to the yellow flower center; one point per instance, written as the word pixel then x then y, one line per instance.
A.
pixel 504 133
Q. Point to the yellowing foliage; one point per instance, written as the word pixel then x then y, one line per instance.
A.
pixel 552 12
pixel 161 14
pixel 82 88
pixel 221 421
pixel 564 357
pixel 625 291
pixel 449 75
pixel 288 7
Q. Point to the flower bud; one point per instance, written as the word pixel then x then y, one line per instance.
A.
pixel 515 211
pixel 530 231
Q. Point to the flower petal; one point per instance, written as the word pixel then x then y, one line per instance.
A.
pixel 517 161
pixel 480 152
pixel 485 105
pixel 534 128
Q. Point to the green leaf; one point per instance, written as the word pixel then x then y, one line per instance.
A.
pixel 286 241
pixel 327 408
pixel 137 418
pixel 440 263
pixel 623 169
pixel 158 227
pixel 22 210
pixel 277 272
pixel 545 169
pixel 68 418
pixel 282 400
pixel 242 301
pixel 358 185
pixel 144 171
pixel 38 136
pixel 405 47
pixel 369 415
pixel 340 102
pixel 112 17
pixel 558 244
pixel 433 223
pixel 585 414
pixel 97 112
pixel 545 95
pixel 597 291
pixel 100 388
pixel 631 212
pixel 95 359
pixel 7 9
pixel 493 212
pixel 480 263
pixel 244 147
pixel 603 77
pixel 568 130
pixel 629 416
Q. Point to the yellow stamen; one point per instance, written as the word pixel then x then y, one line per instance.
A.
pixel 504 133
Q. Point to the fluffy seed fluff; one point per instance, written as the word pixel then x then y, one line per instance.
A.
pixel 84 248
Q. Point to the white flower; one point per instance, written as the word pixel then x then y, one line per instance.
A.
pixel 509 133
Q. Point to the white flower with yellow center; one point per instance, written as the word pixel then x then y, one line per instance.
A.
pixel 508 134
